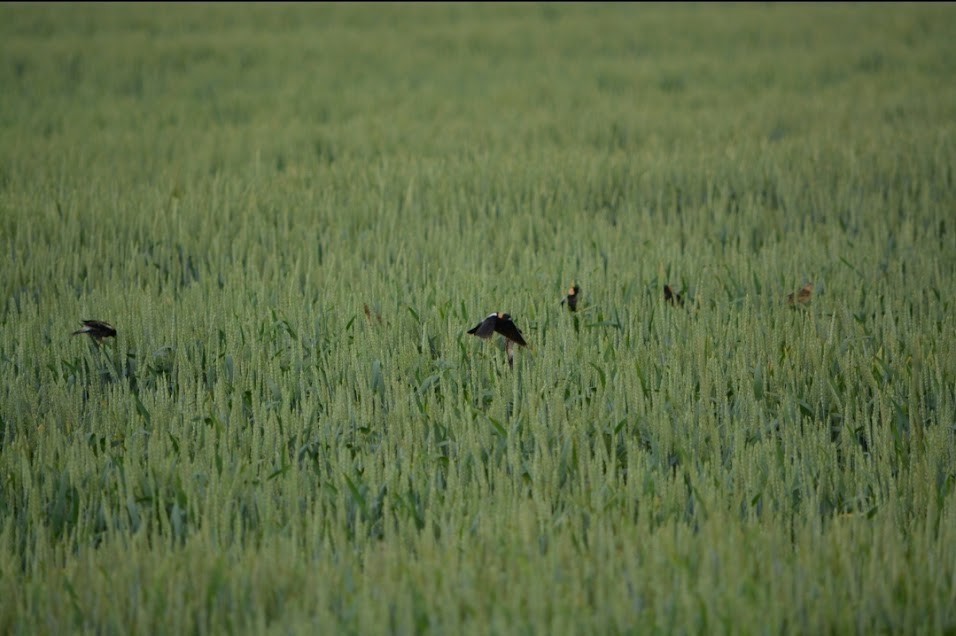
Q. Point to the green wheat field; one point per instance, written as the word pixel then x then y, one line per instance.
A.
pixel 293 214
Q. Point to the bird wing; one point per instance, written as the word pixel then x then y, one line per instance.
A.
pixel 509 330
pixel 486 327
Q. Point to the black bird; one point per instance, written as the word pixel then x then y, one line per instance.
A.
pixel 97 329
pixel 572 297
pixel 501 323
pixel 672 297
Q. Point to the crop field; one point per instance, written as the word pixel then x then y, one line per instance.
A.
pixel 293 214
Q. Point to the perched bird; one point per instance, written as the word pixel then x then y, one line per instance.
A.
pixel 672 297
pixel 501 323
pixel 801 296
pixel 572 297
pixel 368 314
pixel 97 329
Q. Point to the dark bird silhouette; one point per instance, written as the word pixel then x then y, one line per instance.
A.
pixel 800 296
pixel 501 323
pixel 672 297
pixel 97 330
pixel 572 297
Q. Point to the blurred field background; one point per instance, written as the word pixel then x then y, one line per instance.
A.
pixel 293 213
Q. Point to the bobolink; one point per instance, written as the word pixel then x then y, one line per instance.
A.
pixel 97 330
pixel 501 323
pixel 801 296
pixel 672 297
pixel 572 297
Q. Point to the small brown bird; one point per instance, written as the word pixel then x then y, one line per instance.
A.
pixel 97 329
pixel 801 296
pixel 672 297
pixel 501 323
pixel 368 314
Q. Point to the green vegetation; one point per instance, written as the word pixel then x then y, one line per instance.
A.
pixel 292 215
